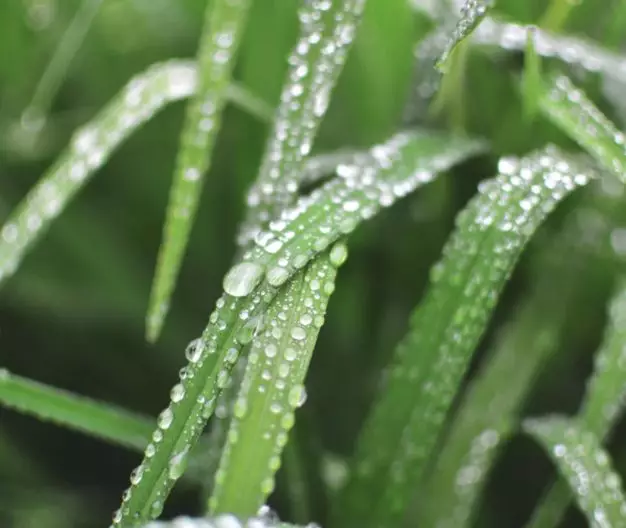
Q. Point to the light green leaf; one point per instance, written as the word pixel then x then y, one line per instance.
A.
pixel 602 405
pixel 586 467
pixel 91 146
pixel 223 27
pixel 273 388
pixel 571 110
pixel 326 34
pixel 104 421
pixel 402 430
pixel 395 168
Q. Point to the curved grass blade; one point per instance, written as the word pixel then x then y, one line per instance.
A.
pixel 473 13
pixel 573 51
pixel 398 167
pixel 586 467
pixel 489 414
pixel 104 421
pixel 326 34
pixel 273 388
pixel 391 171
pixel 35 114
pixel 571 110
pixel 602 405
pixel 223 28
pixel 91 146
pixel 429 364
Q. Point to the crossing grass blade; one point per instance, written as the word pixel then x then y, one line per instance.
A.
pixel 91 146
pixel 586 467
pixel 404 425
pixel 91 417
pixel 394 169
pixel 223 28
pixel 571 110
pixel 273 389
pixel 327 30
pixel 602 406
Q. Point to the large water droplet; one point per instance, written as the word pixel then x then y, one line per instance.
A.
pixel 242 279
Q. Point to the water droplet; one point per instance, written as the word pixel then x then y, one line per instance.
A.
pixel 277 276
pixel 242 279
pixel 338 254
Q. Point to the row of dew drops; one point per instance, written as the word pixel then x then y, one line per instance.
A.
pixel 282 371
pixel 586 466
pixel 304 101
pixel 534 185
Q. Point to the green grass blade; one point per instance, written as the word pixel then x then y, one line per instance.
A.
pixel 326 34
pixel 104 421
pixel 402 429
pixel 602 404
pixel 586 467
pixel 223 28
pixel 489 414
pixel 531 80
pixel 273 388
pixel 570 50
pixel 59 65
pixel 391 171
pixel 571 110
pixel 473 12
pixel 92 145
pixel 395 168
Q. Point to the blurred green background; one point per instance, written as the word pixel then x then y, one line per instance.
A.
pixel 73 314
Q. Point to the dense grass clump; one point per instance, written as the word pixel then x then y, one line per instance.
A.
pixel 403 303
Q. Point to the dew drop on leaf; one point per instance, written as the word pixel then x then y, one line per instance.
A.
pixel 242 279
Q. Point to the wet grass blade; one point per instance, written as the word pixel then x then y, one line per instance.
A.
pixel 104 421
pixel 391 171
pixel 401 432
pixel 571 110
pixel 91 146
pixel 602 404
pixel 273 388
pixel 586 467
pixel 570 50
pixel 489 415
pixel 394 169
pixel 473 13
pixel 327 30
pixel 223 28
